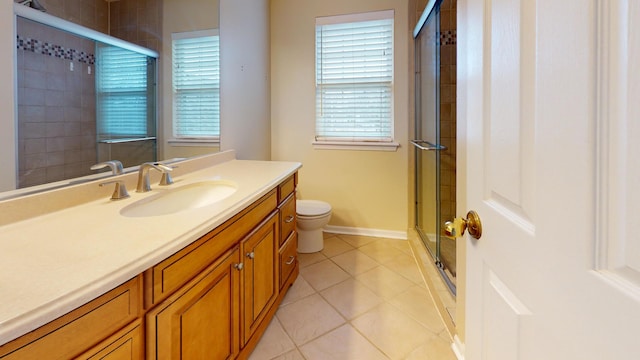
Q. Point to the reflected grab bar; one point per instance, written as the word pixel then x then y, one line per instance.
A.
pixel 126 140
pixel 420 144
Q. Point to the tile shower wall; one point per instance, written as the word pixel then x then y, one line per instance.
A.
pixel 137 21
pixel 448 108
pixel 56 104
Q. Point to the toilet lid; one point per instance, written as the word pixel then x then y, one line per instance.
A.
pixel 312 207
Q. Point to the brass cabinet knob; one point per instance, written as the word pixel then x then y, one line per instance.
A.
pixel 456 228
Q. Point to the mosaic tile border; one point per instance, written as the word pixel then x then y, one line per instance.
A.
pixel 45 48
pixel 448 37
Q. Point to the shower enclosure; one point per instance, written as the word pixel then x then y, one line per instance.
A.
pixel 435 134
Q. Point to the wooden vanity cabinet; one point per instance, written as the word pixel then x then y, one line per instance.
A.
pixel 222 311
pixel 72 334
pixel 202 319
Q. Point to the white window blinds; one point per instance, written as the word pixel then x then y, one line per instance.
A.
pixel 354 77
pixel 196 85
pixel 121 92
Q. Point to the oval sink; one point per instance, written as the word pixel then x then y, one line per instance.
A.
pixel 186 197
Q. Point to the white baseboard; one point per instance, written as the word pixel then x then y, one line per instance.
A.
pixel 458 347
pixel 390 234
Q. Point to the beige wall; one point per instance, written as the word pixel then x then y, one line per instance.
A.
pixel 244 79
pixel 367 189
pixel 179 16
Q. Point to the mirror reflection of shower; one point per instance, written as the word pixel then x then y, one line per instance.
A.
pixel 80 102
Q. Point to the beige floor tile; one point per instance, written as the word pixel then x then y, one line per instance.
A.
pixel 334 245
pixel 358 240
pixel 354 262
pixel 291 355
pixel 434 349
pixel 406 266
pixel 417 303
pixel 308 318
pixel 351 298
pixel 274 342
pixel 323 274
pixel 402 245
pixel 310 259
pixel 395 333
pixel 297 291
pixel 384 282
pixel 381 251
pixel 343 343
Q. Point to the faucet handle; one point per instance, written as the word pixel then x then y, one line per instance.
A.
pixel 114 165
pixel 166 177
pixel 120 192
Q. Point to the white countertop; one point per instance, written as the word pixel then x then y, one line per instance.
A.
pixel 54 263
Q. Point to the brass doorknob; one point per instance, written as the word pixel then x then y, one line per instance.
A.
pixel 457 227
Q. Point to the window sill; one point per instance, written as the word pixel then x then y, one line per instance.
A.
pixel 355 145
pixel 194 142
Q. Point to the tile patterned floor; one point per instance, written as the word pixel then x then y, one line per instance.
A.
pixel 361 298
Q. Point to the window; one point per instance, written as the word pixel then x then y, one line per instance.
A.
pixel 122 106
pixel 196 85
pixel 354 78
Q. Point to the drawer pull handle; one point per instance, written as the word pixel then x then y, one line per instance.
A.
pixel 251 255
pixel 238 266
pixel 289 219
pixel 291 260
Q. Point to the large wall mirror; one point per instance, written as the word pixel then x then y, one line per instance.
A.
pixel 82 100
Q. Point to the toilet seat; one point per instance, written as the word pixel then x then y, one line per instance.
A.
pixel 312 208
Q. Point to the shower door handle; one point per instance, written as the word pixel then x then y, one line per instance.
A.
pixel 425 145
pixel 456 228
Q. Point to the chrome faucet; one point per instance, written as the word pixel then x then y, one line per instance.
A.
pixel 143 175
pixel 120 191
pixel 114 165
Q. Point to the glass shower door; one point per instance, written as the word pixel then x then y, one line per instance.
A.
pixel 427 135
pixel 428 147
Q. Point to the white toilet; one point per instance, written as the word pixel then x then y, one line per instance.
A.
pixel 313 215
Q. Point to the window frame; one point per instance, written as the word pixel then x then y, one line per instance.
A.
pixel 352 143
pixel 185 140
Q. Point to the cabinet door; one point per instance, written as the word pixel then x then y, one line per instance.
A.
pixel 260 279
pixel 201 320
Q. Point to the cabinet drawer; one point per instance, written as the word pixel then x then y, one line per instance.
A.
pixel 288 258
pixel 287 218
pixel 77 331
pixel 286 188
pixel 170 274
pixel 127 343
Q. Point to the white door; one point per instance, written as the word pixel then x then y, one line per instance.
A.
pixel 550 94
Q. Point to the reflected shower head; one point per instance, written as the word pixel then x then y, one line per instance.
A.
pixel 34 4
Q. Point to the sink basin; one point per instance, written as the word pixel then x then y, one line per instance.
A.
pixel 186 197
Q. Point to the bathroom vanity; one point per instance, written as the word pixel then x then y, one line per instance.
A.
pixel 197 283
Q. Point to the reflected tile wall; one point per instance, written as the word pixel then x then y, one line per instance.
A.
pixel 56 104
